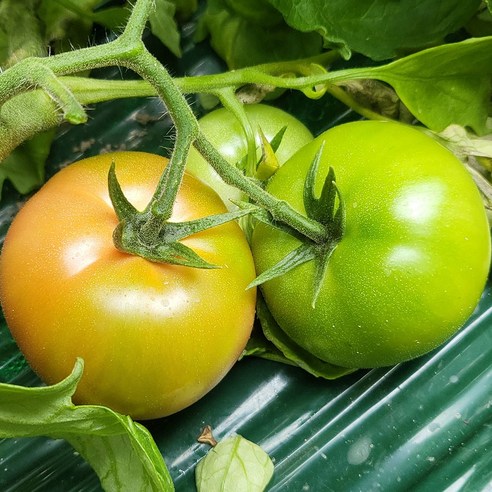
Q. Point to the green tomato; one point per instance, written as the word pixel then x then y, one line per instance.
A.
pixel 224 131
pixel 413 260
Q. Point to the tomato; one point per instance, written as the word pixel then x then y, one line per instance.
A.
pixel 413 260
pixel 154 337
pixel 224 131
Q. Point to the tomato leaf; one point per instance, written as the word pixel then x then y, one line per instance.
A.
pixel 379 29
pixel 291 351
pixel 241 37
pixel 24 167
pixel 234 464
pixel 445 85
pixel 15 43
pixel 121 452
pixel 464 143
pixel 112 17
pixel 259 346
pixel 67 24
pixel 73 19
pixel 164 26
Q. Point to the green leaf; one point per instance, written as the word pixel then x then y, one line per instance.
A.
pixel 67 23
pixel 185 9
pixel 259 346
pixel 15 43
pixel 63 15
pixel 234 464
pixel 24 167
pixel 481 24
pixel 291 351
pixel 241 38
pixel 121 452
pixel 448 84
pixel 164 27
pixel 113 17
pixel 379 29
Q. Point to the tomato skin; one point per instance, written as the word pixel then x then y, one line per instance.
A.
pixel 414 258
pixel 154 337
pixel 225 132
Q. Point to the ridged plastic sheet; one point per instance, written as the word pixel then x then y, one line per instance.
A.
pixel 425 425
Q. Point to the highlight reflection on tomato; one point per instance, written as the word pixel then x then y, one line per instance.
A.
pixel 154 337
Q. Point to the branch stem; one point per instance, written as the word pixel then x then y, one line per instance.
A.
pixel 129 51
pixel 279 209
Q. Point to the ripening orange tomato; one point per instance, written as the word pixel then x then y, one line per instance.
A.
pixel 154 337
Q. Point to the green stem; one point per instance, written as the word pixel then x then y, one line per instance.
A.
pixel 186 125
pixel 230 101
pixel 279 209
pixel 129 51
pixel 350 102
pixel 89 91
pixel 41 76
pixel 252 75
pixel 92 90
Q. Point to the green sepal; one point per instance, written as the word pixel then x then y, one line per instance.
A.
pixel 268 164
pixel 278 346
pixel 174 231
pixel 304 253
pixel 123 208
pixel 125 238
pixel 139 233
pixel 321 262
pixel 336 227
pixel 329 209
pixel 263 215
pixel 277 139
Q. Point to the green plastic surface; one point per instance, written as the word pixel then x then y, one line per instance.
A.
pixel 420 426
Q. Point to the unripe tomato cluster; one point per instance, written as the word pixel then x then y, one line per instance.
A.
pixel 406 275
